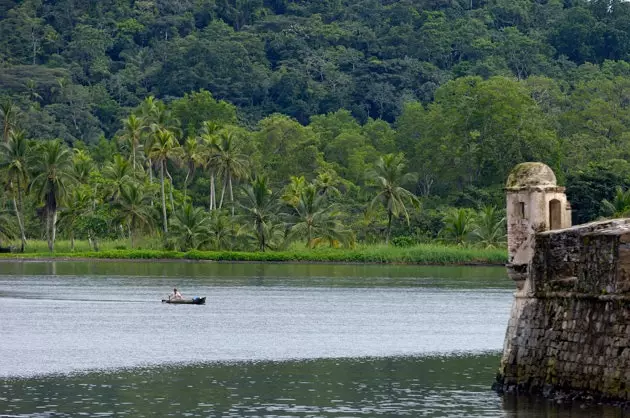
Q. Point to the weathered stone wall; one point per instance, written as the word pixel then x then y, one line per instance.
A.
pixel 570 323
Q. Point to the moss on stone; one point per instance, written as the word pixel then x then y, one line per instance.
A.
pixel 530 174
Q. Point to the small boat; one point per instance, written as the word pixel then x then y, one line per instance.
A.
pixel 193 301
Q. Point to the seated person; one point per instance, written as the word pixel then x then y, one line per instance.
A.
pixel 176 295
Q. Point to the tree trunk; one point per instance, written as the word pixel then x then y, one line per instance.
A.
pixel 186 184
pixel 223 193
pixel 213 200
pixel 133 155
pixel 170 189
pixel 261 236
pixel 163 198
pixel 308 236
pixel 151 177
pixel 389 226
pixel 19 218
pixel 54 228
pixel 48 230
pixel 231 194
pixel 72 241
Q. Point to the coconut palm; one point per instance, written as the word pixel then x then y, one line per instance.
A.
pixel 260 206
pixel 14 161
pixel 230 163
pixel 83 165
pixel 134 210
pixel 192 158
pixel 220 229
pixel 209 141
pixel 619 207
pixel 489 229
pixel 162 150
pixel 459 224
pixel 77 206
pixel 8 115
pixel 52 182
pixel 118 173
pixel 7 230
pixel 293 190
pixel 132 133
pixel 316 220
pixel 190 228
pixel 326 183
pixel 389 176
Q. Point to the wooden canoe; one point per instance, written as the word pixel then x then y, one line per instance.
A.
pixel 193 301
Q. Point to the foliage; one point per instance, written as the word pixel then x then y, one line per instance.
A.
pixel 115 117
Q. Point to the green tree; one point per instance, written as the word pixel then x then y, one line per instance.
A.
pixel 162 150
pixel 118 174
pixel 131 137
pixel 52 182
pixel 15 162
pixel 231 164
pixel 316 220
pixel 489 230
pixel 9 115
pixel 619 206
pixel 190 228
pixel 389 176
pixel 459 224
pixel 192 158
pixel 134 210
pixel 260 207
pixel 78 205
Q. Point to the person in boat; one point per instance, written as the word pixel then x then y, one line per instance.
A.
pixel 176 295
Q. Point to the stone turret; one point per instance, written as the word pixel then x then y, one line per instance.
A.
pixel 535 203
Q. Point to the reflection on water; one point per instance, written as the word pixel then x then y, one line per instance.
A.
pixel 389 387
pixel 92 339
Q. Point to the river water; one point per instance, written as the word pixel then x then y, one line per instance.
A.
pixel 273 340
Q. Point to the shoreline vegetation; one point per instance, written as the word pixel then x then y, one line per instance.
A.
pixel 428 254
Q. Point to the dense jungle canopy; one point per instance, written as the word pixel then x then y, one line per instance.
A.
pixel 244 101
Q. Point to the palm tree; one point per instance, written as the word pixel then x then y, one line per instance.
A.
pixel 209 139
pixel 190 228
pixel 78 205
pixel 389 176
pixel 231 164
pixel 326 183
pixel 7 230
pixel 293 190
pixel 83 165
pixel 489 227
pixel 220 229
pixel 134 210
pixel 14 160
pixel 133 130
pixel 192 157
pixel 52 183
pixel 118 173
pixel 260 208
pixel 459 223
pixel 316 220
pixel 161 151
pixel 8 114
pixel 620 205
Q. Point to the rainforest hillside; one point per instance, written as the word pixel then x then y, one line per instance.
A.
pixel 310 93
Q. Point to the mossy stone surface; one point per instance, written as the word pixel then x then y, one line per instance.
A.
pixel 531 174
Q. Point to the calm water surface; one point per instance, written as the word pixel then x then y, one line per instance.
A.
pixel 93 339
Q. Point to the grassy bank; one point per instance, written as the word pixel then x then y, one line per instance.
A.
pixel 418 254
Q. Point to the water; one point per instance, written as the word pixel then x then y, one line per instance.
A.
pixel 92 339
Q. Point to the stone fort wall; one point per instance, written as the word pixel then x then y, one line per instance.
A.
pixel 569 330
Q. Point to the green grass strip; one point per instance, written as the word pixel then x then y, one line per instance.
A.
pixel 419 254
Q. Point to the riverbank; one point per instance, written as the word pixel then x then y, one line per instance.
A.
pixel 431 254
